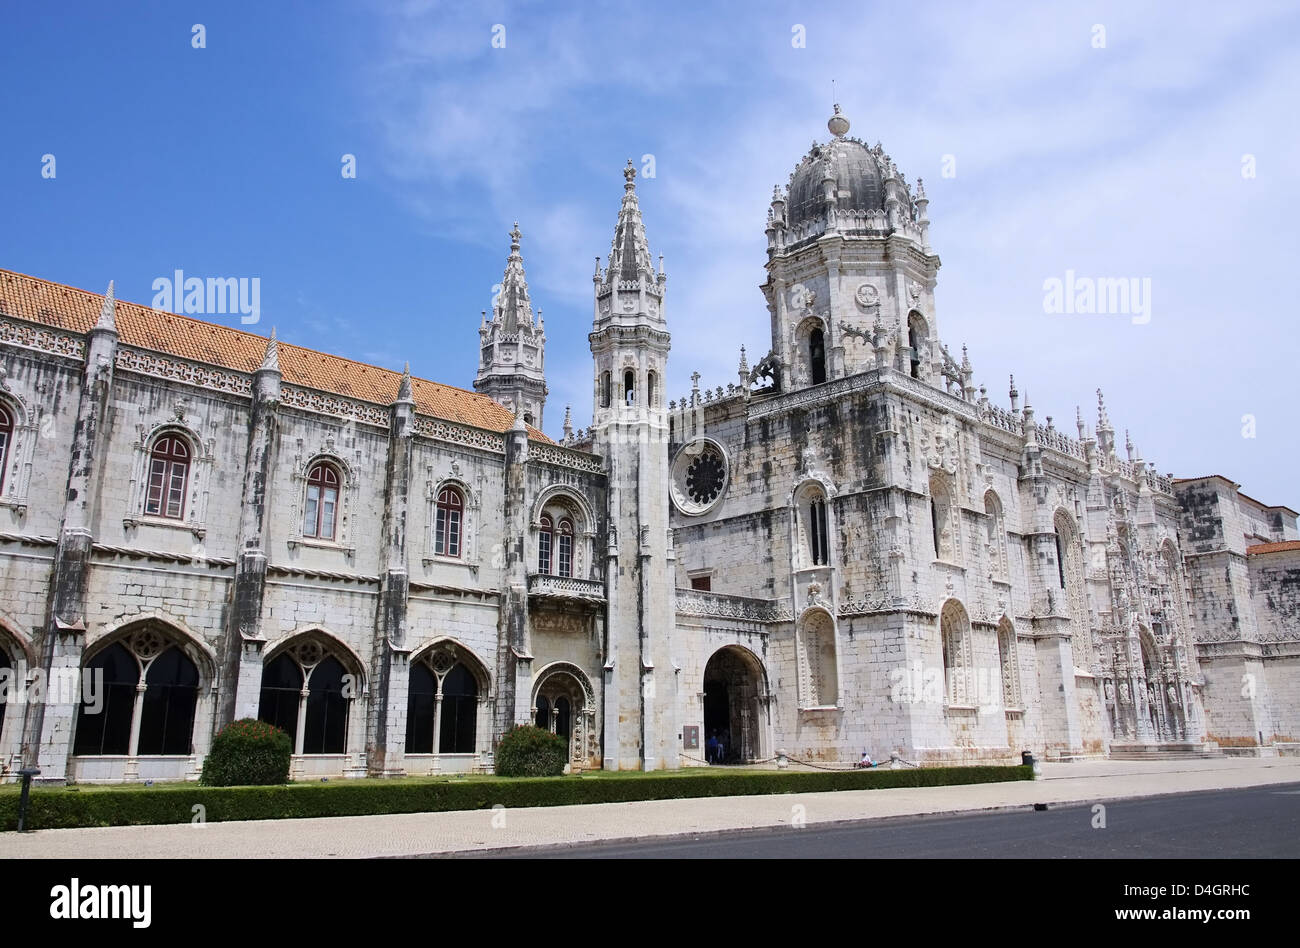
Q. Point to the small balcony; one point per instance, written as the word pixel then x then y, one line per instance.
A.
pixel 565 590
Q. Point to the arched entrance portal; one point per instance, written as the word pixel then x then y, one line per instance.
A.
pixel 564 703
pixel 735 693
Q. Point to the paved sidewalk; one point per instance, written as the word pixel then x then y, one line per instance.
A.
pixel 428 833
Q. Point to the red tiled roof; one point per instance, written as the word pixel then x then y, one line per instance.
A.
pixel 1285 545
pixel 68 308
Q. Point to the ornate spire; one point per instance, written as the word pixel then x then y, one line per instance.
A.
pixel 568 423
pixel 512 306
pixel 404 393
pixel 108 312
pixel 271 359
pixel 1103 420
pixel 629 254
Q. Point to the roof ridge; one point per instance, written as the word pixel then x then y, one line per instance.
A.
pixel 97 299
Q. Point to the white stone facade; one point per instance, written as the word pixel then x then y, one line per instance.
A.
pixel 847 549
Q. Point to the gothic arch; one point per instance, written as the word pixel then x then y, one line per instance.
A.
pixel 812 367
pixel 329 642
pixel 195 647
pixel 945 518
pixel 735 694
pixel 565 495
pixel 813 523
pixel 918 340
pixel 996 536
pixel 462 653
pixel 564 702
pixel 1009 663
pixel 559 668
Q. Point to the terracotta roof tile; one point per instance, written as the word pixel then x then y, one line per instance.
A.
pixel 66 307
pixel 1285 545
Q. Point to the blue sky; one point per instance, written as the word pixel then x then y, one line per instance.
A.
pixel 1122 161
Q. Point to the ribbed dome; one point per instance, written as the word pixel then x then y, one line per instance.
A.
pixel 858 184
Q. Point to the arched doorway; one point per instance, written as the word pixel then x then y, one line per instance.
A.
pixel 735 692
pixel 565 704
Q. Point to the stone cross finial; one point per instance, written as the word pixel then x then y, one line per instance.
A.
pixel 514 236
pixel 629 176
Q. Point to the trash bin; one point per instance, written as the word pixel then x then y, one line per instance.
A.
pixel 1027 758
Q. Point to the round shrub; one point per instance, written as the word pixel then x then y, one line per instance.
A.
pixel 527 751
pixel 248 752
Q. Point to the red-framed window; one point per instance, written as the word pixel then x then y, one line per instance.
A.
pixel 564 546
pixel 169 474
pixel 545 541
pixel 6 439
pixel 446 529
pixel 320 513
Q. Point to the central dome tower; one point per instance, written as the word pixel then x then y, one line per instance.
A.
pixel 849 261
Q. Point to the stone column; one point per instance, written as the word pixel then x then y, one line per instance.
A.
pixel 514 637
pixel 390 672
pixel 48 737
pixel 244 646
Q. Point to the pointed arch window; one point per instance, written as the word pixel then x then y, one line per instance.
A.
pixel 307 693
pixel 818 540
pixel 997 536
pixel 169 472
pixel 442 706
pixel 545 542
pixel 320 512
pixel 954 631
pixel 6 438
pixel 606 390
pixel 650 390
pixel 629 387
pixel 449 517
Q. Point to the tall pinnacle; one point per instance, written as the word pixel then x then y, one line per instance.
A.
pixel 108 312
pixel 404 393
pixel 512 306
pixel 271 359
pixel 629 254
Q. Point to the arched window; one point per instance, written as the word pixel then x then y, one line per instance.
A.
pixel 605 390
pixel 1069 573
pixel 459 712
pixel 543 714
pixel 817 532
pixel 327 709
pixel 650 389
pixel 170 697
pixel 545 542
pixel 320 512
pixel 954 631
pixel 169 471
pixel 817 355
pixel 118 719
pixel 943 520
pixel 107 729
pixel 629 387
pixel 6 439
pixel 281 695
pixel 307 693
pixel 996 538
pixel 442 702
pixel 1010 665
pixel 446 528
pixel 564 546
pixel 917 337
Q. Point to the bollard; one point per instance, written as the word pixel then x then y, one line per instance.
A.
pixel 27 773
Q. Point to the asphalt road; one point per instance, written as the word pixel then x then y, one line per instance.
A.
pixel 1261 822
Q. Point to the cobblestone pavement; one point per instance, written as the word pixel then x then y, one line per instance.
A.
pixel 429 833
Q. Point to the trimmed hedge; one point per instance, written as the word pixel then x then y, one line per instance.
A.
pixel 248 752
pixel 176 803
pixel 527 751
